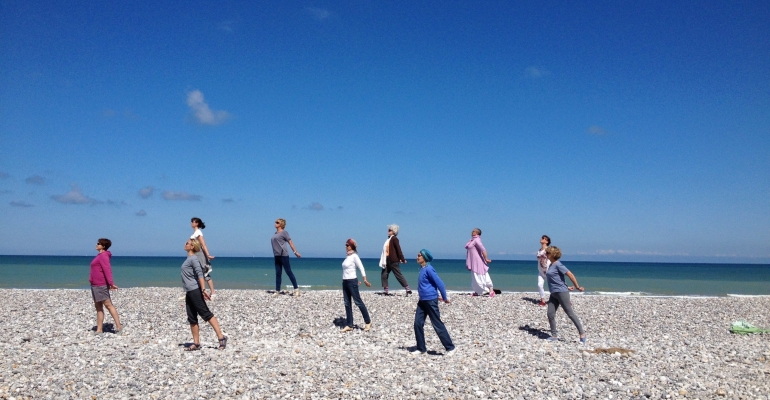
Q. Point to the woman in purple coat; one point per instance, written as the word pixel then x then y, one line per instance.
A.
pixel 476 261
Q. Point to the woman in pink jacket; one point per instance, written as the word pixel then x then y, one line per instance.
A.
pixel 476 261
pixel 101 284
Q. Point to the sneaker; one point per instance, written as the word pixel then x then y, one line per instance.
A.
pixel 417 351
pixel 367 327
pixel 583 340
pixel 541 304
pixel 449 353
pixel 296 292
pixel 277 292
pixel 408 292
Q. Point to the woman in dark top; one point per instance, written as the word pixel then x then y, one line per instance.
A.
pixel 393 257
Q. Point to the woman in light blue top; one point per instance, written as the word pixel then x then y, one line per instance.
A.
pixel 557 285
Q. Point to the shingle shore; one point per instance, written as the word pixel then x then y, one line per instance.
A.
pixel 286 347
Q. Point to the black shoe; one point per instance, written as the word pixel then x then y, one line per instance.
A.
pixel 408 292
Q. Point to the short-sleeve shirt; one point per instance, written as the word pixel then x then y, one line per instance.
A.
pixel 279 241
pixel 196 234
pixel 555 277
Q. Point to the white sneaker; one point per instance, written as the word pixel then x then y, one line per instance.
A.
pixel 417 352
pixel 450 353
pixel 296 292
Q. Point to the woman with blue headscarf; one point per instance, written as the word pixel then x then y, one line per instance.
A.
pixel 428 286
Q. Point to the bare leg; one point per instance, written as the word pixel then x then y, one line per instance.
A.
pixel 114 312
pixel 215 324
pixel 99 315
pixel 195 329
pixel 211 286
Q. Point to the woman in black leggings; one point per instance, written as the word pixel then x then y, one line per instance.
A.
pixel 557 285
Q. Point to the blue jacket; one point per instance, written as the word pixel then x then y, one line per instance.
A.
pixel 428 283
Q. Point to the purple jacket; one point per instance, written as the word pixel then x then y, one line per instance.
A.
pixel 101 271
pixel 475 258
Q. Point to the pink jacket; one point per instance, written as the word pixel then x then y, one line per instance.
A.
pixel 474 261
pixel 101 271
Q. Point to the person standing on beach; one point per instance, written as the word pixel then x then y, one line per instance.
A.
pixel 393 256
pixel 195 297
pixel 101 284
pixel 428 286
pixel 560 292
pixel 203 255
pixel 281 255
pixel 542 266
pixel 350 286
pixel 476 261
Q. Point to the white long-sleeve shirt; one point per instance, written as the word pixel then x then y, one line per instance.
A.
pixel 349 266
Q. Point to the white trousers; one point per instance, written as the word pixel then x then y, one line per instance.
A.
pixel 540 282
pixel 481 283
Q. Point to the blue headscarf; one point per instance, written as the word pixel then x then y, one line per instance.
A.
pixel 426 255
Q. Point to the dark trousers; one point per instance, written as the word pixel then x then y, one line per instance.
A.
pixel 350 290
pixel 554 301
pixel 282 262
pixel 195 305
pixel 430 308
pixel 396 271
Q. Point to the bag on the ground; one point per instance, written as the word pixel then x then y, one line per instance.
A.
pixel 745 328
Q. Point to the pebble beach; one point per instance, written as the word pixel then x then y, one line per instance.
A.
pixel 290 347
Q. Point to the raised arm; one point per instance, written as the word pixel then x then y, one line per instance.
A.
pixel 205 248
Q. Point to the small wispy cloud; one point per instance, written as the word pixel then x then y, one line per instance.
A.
pixel 116 203
pixel 339 208
pixel 146 192
pixel 319 14
pixel 171 195
pixel 535 72
pixel 22 204
pixel 3 175
pixel 597 130
pixel 315 206
pixel 202 113
pixel 141 213
pixel 228 200
pixel 74 196
pixel 227 26
pixel 35 180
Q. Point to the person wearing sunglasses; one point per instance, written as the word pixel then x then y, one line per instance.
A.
pixel 101 284
pixel 390 259
pixel 557 285
pixel 477 262
pixel 281 255
pixel 195 297
pixel 350 285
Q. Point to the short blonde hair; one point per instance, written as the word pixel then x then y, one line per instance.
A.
pixel 553 251
pixel 281 222
pixel 196 245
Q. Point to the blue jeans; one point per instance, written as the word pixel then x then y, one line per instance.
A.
pixel 350 289
pixel 430 308
pixel 283 262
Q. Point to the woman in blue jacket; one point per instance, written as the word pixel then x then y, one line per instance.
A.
pixel 428 285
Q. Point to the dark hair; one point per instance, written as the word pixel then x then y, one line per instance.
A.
pixel 547 238
pixel 106 243
pixel 477 230
pixel 198 221
pixel 352 243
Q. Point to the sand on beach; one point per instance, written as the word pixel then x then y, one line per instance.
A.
pixel 285 346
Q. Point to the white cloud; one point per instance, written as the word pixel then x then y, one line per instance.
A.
pixel 23 204
pixel 315 206
pixel 35 180
pixel 318 13
pixel 202 113
pixel 146 192
pixel 597 130
pixel 74 196
pixel 141 213
pixel 171 195
pixel 535 72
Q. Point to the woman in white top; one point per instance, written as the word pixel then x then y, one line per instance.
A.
pixel 350 286
pixel 542 266
pixel 203 254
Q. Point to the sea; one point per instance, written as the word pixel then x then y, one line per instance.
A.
pixel 258 273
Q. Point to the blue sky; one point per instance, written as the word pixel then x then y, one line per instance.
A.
pixel 625 131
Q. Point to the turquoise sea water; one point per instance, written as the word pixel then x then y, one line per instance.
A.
pixel 50 272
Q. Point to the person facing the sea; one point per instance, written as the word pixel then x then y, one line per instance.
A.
pixel 542 266
pixel 350 286
pixel 560 293
pixel 203 255
pixel 281 254
pixel 428 286
pixel 391 258
pixel 476 261
pixel 195 297
pixel 101 284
